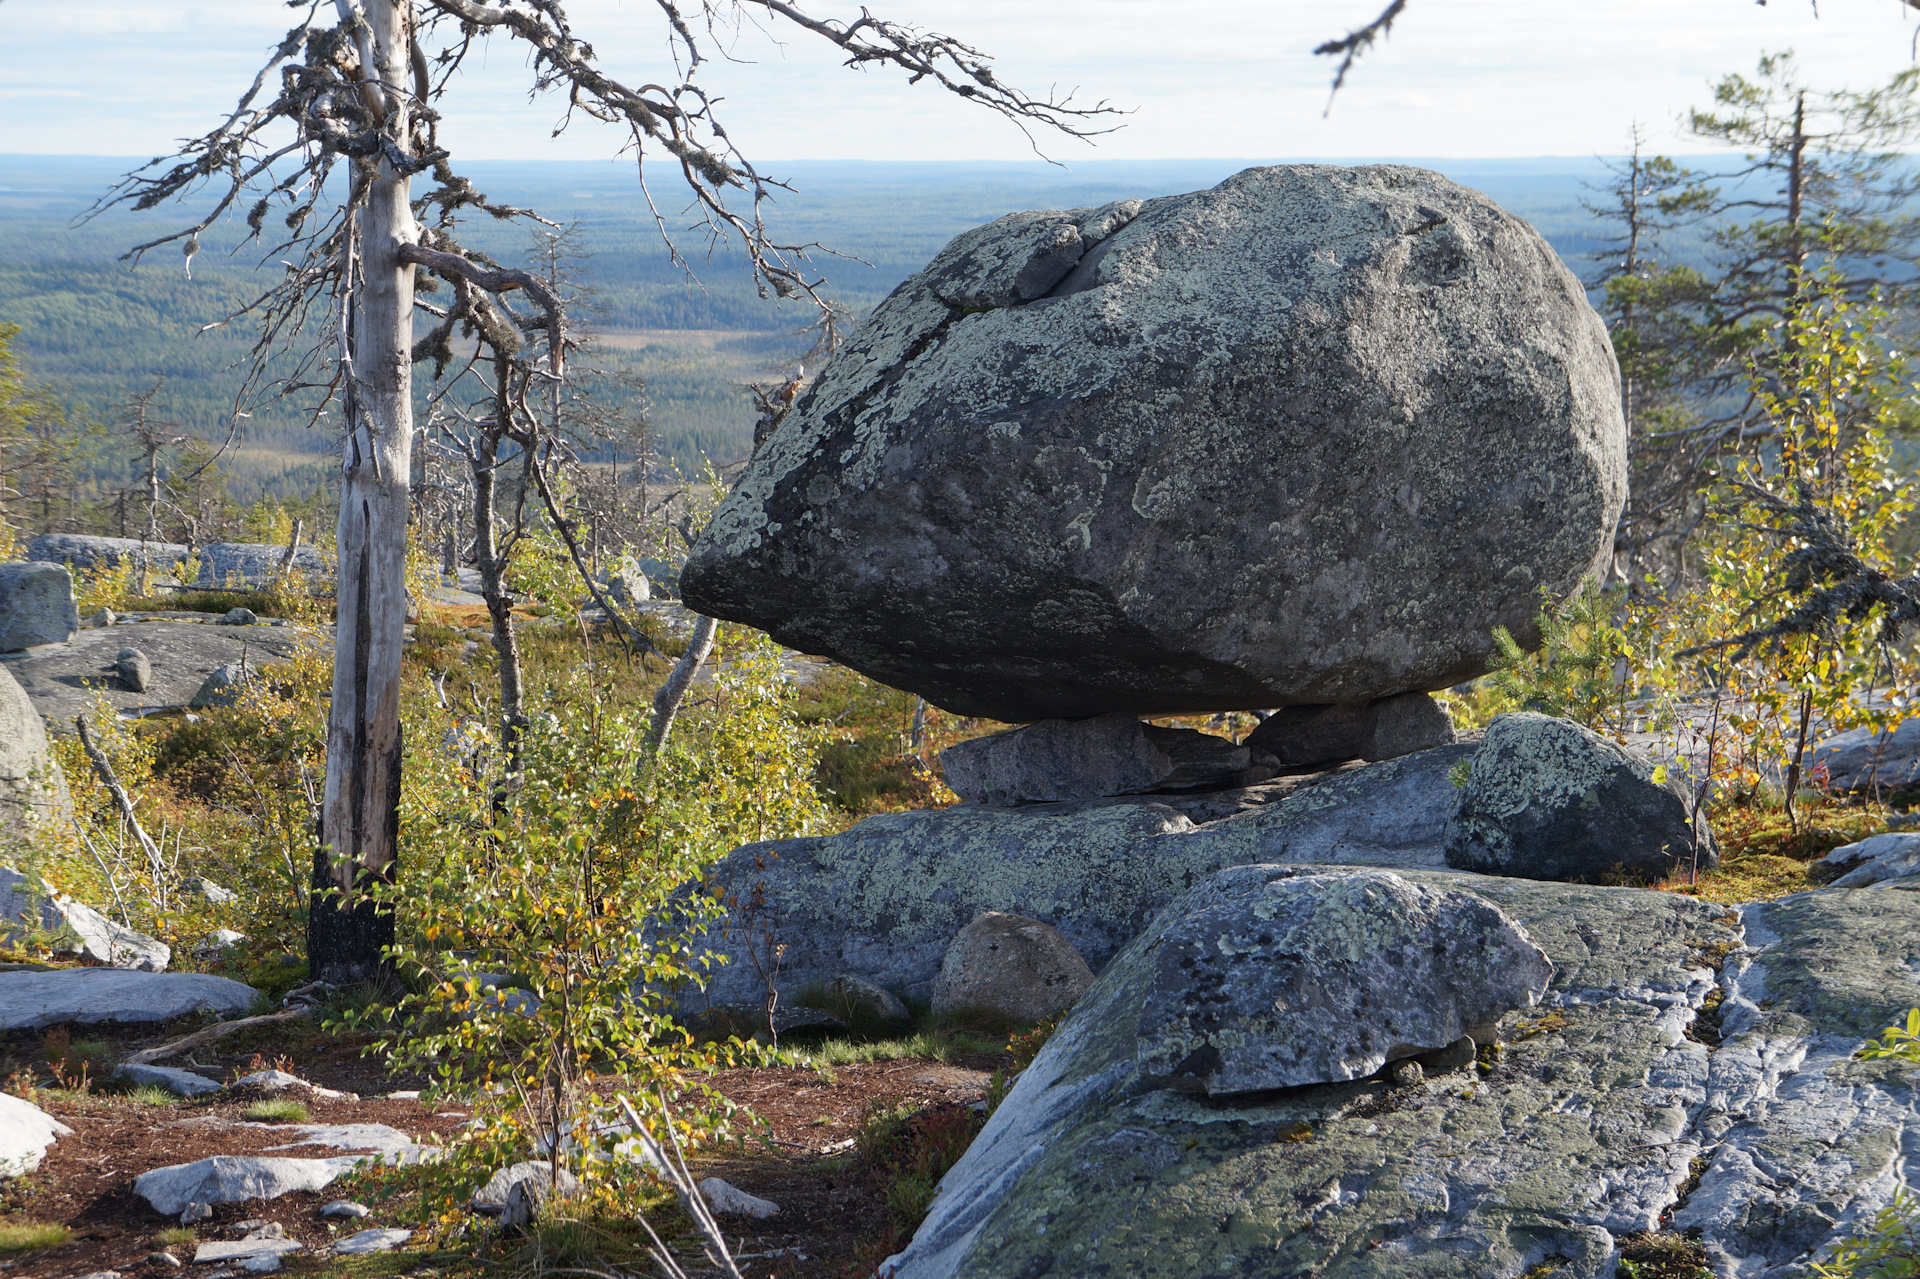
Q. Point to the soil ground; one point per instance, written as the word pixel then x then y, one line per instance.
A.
pixel 833 1222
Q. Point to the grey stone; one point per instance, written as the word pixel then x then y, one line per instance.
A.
pixel 390 1144
pixel 241 1250
pixel 883 899
pixel 196 1212
pixel 134 668
pixel 1264 982
pixel 101 618
pixel 1011 965
pixel 1302 438
pixel 1583 1132
pixel 628 584
pixel 208 891
pixel 750 1019
pixel 262 1264
pixel 226 1179
pixel 64 680
pixel 26 1131
pixel 91 554
pixel 251 565
pixel 345 1208
pixel 728 1200
pixel 1872 860
pixel 377 1240
pixel 855 998
pixel 32 787
pixel 165 1260
pixel 1862 759
pixel 280 1081
pixel 36 606
pixel 1377 730
pixel 238 616
pixel 181 1082
pixel 515 1194
pixel 218 940
pixel 73 928
pixel 223 686
pixel 1057 759
pixel 86 996
pixel 1549 799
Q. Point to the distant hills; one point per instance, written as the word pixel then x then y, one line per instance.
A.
pixel 103 328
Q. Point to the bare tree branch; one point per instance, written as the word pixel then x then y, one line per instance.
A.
pixel 1350 46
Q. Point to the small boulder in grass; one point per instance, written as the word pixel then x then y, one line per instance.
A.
pixel 346 1209
pixel 1016 967
pixel 238 617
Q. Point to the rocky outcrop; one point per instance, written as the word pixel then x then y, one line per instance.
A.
pixel 1862 759
pixel 32 787
pixel 1011 966
pixel 251 565
pixel 1892 859
pixel 1385 729
pixel 1209 452
pixel 86 996
pixel 73 928
pixel 1262 981
pixel 87 554
pixel 1055 760
pixel 1623 1105
pixel 882 900
pixel 63 680
pixel 36 606
pixel 1548 799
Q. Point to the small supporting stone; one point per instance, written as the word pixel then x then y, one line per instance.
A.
pixel 1383 729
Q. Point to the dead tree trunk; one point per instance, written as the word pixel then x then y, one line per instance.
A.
pixel 360 818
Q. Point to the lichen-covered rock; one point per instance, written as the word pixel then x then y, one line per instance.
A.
pixel 1013 966
pixel 1304 437
pixel 1263 982
pixel 134 668
pixel 91 554
pixel 1548 799
pixel 32 787
pixel 255 564
pixel 1580 1130
pixel 36 605
pixel 883 899
pixel 1058 760
pixel 1384 729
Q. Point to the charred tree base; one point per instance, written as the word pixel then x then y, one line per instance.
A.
pixel 345 944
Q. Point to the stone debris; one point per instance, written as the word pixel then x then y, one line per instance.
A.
pixel 26 1132
pixel 235 1179
pixel 492 1199
pixel 165 1260
pixel 78 929
pixel 1263 979
pixel 1385 729
pixel 1011 965
pixel 195 1212
pixel 1219 462
pixel 36 606
pixel 392 1145
pixel 380 1240
pixel 1549 799
pixel 346 1208
pixel 729 1200
pixel 244 1250
pixel 85 996
pixel 280 1080
pixel 182 1083
pixel 1875 860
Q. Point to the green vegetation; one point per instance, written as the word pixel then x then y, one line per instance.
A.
pixel 276 1110
pixel 1889 1250
pixel 175 1236
pixel 24 1236
pixel 1899 1042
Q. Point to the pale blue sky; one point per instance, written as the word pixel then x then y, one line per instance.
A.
pixel 1206 77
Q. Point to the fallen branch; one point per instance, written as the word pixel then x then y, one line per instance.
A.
pixel 104 769
pixel 219 1030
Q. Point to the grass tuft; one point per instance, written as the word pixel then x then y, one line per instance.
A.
pixel 176 1236
pixel 278 1110
pixel 22 1236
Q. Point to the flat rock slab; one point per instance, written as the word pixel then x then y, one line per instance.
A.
pixel 90 995
pixel 25 1133
pixel 392 1145
pixel 1877 859
pixel 184 1083
pixel 241 1249
pixel 882 900
pixel 380 1240
pixel 62 679
pixel 1305 437
pixel 225 1179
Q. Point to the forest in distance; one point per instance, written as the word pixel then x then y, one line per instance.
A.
pixel 101 329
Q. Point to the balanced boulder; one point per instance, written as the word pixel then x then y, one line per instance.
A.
pixel 1264 981
pixel 1548 799
pixel 1302 438
pixel 36 606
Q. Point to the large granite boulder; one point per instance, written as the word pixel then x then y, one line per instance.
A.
pixel 87 554
pixel 1616 1121
pixel 1264 980
pixel 32 787
pixel 1549 799
pixel 1302 438
pixel 882 900
pixel 250 565
pixel 36 605
pixel 85 996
